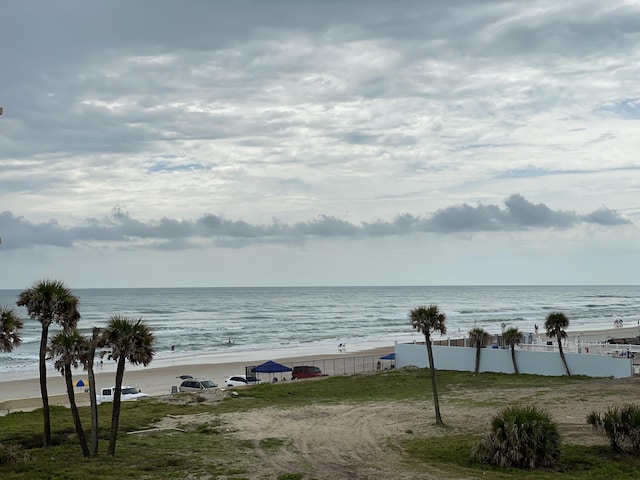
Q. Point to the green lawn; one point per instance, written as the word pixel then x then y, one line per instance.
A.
pixel 208 451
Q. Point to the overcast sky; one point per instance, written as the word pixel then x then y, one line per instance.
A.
pixel 258 143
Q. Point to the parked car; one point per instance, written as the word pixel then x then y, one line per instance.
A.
pixel 306 371
pixel 126 393
pixel 240 381
pixel 195 385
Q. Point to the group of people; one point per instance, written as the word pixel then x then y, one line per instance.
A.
pixel 619 323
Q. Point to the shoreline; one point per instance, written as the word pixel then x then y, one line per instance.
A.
pixel 23 393
pixel 156 379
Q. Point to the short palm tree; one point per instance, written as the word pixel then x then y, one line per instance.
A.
pixel 512 337
pixel 479 338
pixel 88 357
pixel 49 301
pixel 556 325
pixel 10 326
pixel 426 320
pixel 621 426
pixel 66 348
pixel 522 436
pixel 129 340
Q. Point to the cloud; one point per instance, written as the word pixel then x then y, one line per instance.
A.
pixel 518 214
pixel 394 123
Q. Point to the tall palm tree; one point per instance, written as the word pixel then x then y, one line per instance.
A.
pixel 512 337
pixel 88 357
pixel 49 301
pixel 556 325
pixel 66 348
pixel 129 340
pixel 10 326
pixel 479 338
pixel 426 320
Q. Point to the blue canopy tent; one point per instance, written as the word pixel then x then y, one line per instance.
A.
pixel 388 356
pixel 270 367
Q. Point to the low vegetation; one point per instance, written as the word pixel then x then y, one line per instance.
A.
pixel 621 426
pixel 210 450
pixel 522 436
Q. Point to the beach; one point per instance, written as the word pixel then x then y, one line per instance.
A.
pixel 158 378
pixel 18 393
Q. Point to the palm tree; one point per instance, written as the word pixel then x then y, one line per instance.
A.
pixel 556 325
pixel 88 357
pixel 512 337
pixel 49 301
pixel 66 347
pixel 129 340
pixel 427 320
pixel 479 338
pixel 10 326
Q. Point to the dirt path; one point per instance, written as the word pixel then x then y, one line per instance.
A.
pixel 359 441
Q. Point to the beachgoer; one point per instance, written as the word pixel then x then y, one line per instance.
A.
pixel 536 328
pixel 379 365
pixel 173 348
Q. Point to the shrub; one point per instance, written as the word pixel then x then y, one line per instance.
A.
pixel 521 437
pixel 12 454
pixel 621 426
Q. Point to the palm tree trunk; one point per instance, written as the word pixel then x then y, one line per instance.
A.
pixel 477 358
pixel 513 359
pixel 93 448
pixel 74 411
pixel 564 360
pixel 43 384
pixel 115 414
pixel 434 388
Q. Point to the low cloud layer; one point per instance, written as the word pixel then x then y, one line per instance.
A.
pixel 121 229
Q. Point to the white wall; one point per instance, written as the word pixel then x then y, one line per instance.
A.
pixel 499 360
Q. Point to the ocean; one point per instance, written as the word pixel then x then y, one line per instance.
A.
pixel 315 320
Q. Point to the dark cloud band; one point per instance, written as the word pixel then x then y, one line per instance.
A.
pixel 517 214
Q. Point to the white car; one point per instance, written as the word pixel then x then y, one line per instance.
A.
pixel 240 381
pixel 127 393
pixel 194 385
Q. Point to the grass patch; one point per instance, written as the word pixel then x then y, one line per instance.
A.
pixel 451 454
pixel 208 451
pixel 272 443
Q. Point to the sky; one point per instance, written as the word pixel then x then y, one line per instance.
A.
pixel 201 143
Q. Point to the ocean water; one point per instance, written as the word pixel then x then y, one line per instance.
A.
pixel 302 320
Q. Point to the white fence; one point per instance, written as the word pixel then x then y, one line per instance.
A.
pixel 330 366
pixel 499 360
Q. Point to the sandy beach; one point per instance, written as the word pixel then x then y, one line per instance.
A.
pixel 156 379
pixel 20 393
